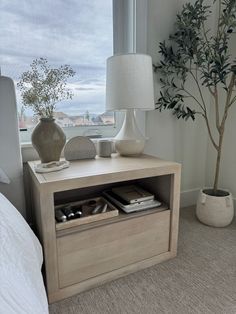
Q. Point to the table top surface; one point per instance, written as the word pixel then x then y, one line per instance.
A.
pixel 102 166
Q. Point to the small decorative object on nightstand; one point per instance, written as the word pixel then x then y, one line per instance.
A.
pixel 129 87
pixel 79 147
pixel 51 166
pixel 104 148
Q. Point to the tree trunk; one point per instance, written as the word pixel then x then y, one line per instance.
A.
pixel 218 160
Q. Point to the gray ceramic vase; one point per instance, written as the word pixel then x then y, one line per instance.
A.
pixel 48 139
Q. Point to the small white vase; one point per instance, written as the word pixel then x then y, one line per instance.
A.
pixel 215 211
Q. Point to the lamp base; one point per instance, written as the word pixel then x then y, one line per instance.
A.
pixel 129 147
pixel 129 141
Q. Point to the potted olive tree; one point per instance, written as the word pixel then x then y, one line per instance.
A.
pixel 194 52
pixel 41 88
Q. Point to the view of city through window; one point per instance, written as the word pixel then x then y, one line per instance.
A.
pixel 74 32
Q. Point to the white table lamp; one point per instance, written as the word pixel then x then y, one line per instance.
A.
pixel 129 87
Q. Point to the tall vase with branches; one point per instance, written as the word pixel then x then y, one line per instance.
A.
pixel 195 51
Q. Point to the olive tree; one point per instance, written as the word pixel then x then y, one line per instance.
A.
pixel 195 51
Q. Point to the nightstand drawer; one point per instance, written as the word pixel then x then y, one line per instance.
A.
pixel 90 253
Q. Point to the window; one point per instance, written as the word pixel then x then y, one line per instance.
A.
pixel 74 32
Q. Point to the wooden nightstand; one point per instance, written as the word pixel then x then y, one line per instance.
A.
pixel 81 257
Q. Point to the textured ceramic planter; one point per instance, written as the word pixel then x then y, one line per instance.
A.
pixel 215 211
pixel 48 139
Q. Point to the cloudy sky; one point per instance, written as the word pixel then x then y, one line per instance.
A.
pixel 75 32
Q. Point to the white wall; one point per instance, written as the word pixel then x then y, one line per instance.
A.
pixel 227 178
pixel 169 138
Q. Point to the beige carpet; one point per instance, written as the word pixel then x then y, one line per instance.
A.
pixel 202 279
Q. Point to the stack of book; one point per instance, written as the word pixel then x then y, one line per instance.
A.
pixel 131 198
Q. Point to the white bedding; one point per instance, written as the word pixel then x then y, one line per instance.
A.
pixel 21 285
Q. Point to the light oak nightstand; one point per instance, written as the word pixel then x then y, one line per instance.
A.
pixel 80 257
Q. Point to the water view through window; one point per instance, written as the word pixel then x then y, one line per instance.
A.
pixel 74 32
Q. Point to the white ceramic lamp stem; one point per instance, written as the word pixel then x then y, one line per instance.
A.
pixel 130 140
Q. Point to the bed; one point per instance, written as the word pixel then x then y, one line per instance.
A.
pixel 21 284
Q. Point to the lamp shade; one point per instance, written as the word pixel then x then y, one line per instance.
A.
pixel 129 82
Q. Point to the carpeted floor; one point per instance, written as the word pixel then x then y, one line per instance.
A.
pixel 202 279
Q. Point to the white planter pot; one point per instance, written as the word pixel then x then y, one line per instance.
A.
pixel 215 211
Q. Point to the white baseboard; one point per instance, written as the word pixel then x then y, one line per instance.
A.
pixel 189 197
